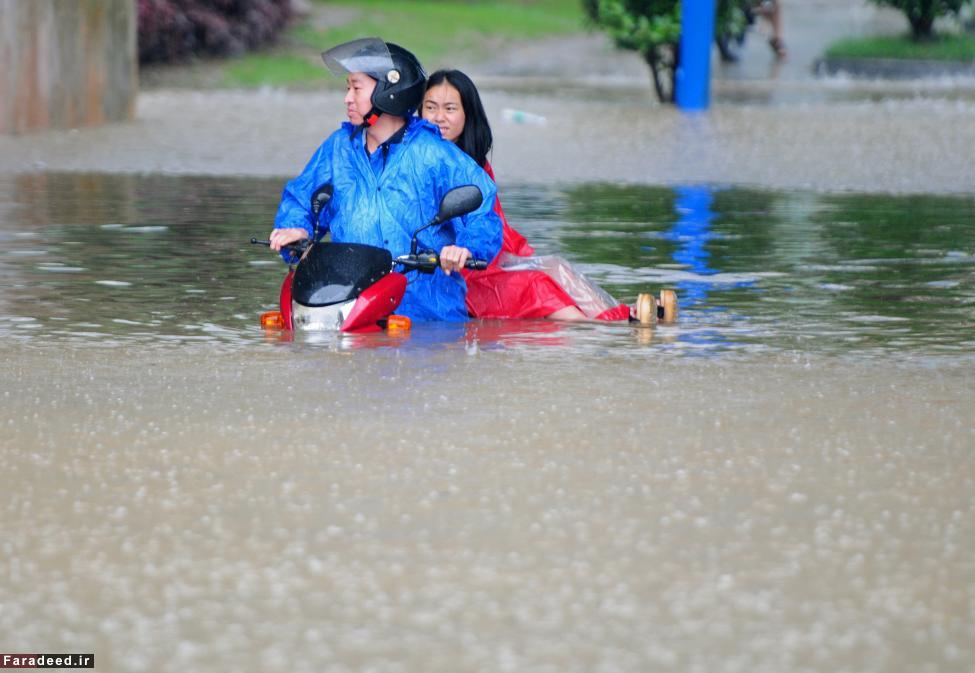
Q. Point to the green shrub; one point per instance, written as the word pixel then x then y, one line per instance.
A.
pixel 652 29
pixel 921 14
pixel 639 25
pixel 171 31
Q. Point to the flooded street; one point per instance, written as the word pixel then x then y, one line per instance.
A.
pixel 780 482
pixel 124 260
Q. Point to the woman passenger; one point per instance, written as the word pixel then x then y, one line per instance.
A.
pixel 516 284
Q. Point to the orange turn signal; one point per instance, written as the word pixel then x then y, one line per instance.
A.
pixel 272 320
pixel 398 322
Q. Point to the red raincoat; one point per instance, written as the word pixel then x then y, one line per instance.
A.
pixel 498 293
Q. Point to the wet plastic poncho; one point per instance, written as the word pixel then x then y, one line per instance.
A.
pixel 381 200
pixel 518 284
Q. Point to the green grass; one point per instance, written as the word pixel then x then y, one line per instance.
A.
pixel 943 48
pixel 439 32
pixel 273 69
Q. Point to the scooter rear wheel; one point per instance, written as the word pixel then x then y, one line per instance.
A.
pixel 646 309
pixel 668 302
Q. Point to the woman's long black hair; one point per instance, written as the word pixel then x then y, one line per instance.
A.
pixel 476 138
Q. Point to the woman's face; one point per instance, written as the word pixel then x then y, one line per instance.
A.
pixel 358 96
pixel 442 106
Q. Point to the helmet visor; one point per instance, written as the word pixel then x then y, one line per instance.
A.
pixel 368 54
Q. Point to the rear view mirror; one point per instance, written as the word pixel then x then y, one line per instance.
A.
pixel 320 197
pixel 459 201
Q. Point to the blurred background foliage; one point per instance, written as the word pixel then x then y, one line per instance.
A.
pixel 276 43
pixel 172 31
pixel 921 14
pixel 440 32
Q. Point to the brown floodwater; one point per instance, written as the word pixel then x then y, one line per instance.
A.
pixel 782 481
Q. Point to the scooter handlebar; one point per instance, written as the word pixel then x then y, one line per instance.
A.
pixel 297 248
pixel 429 261
pixel 424 261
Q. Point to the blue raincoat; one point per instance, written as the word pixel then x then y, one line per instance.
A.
pixel 382 199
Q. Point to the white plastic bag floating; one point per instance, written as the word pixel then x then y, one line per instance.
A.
pixel 589 297
pixel 522 117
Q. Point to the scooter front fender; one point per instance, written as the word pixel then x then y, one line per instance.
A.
pixel 376 302
pixel 285 299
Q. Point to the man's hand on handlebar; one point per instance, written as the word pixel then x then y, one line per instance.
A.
pixel 453 258
pixel 282 237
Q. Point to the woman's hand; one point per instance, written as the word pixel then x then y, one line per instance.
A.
pixel 282 237
pixel 453 257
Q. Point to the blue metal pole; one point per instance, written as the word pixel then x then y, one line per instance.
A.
pixel 693 80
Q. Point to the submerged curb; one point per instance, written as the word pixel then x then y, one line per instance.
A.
pixel 893 68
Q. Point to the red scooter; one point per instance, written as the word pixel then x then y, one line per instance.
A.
pixel 351 287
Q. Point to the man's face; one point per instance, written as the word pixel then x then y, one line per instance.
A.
pixel 358 94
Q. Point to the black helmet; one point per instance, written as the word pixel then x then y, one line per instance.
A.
pixel 400 79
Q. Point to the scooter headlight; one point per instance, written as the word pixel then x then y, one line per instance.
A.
pixel 320 318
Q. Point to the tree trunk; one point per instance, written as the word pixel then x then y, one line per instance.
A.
pixel 663 61
pixel 66 64
pixel 922 21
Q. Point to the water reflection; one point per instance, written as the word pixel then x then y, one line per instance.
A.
pixel 165 260
pixel 473 337
pixel 692 232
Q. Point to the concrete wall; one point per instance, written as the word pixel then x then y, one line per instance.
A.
pixel 66 63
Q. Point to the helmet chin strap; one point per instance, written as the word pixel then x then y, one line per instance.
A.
pixel 368 120
pixel 371 117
